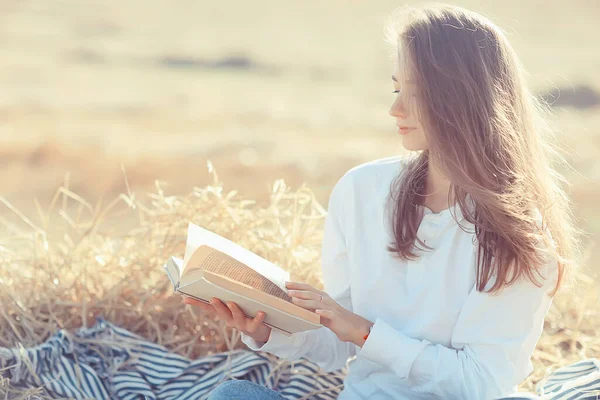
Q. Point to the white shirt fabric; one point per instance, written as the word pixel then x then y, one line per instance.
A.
pixel 434 335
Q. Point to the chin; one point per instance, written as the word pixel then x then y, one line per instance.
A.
pixel 413 146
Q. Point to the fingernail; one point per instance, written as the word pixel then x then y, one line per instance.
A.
pixel 318 311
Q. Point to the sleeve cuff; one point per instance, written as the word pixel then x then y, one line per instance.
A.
pixel 391 348
pixel 277 341
pixel 252 343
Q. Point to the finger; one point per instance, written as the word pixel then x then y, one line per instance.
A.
pixel 205 307
pixel 223 312
pixel 325 313
pixel 192 301
pixel 304 287
pixel 298 285
pixel 238 316
pixel 305 294
pixel 308 304
pixel 256 321
pixel 198 303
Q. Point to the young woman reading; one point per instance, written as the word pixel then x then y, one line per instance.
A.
pixel 438 267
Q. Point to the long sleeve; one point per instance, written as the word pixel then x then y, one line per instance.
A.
pixel 321 346
pixel 491 345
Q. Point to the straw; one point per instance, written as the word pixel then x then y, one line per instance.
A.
pixel 64 267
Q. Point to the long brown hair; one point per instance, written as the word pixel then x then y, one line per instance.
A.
pixel 492 139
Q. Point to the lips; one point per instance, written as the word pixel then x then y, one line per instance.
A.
pixel 405 129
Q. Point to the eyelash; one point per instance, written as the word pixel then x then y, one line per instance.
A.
pixel 396 91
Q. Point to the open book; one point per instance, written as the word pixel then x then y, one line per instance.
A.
pixel 214 266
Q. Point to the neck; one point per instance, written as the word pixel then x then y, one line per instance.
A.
pixel 437 185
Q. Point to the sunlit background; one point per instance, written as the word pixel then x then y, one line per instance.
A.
pixel 298 90
pixel 105 102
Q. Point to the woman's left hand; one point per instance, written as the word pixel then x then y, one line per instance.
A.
pixel 347 326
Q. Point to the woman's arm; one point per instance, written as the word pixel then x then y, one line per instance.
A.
pixel 321 346
pixel 491 346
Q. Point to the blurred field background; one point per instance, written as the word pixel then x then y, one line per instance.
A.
pixel 96 91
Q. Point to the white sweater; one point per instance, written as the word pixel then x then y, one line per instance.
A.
pixel 434 336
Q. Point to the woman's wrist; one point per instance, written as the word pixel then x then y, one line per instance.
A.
pixel 260 338
pixel 267 336
pixel 362 332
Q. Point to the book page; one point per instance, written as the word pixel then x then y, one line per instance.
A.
pixel 172 267
pixel 209 259
pixel 198 236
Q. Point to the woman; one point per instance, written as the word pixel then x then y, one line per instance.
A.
pixel 440 267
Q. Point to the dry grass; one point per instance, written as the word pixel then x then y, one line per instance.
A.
pixel 83 270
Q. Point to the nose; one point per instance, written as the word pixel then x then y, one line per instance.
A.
pixel 398 110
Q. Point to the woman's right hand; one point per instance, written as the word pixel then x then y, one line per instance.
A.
pixel 235 318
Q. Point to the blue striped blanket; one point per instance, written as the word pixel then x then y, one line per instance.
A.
pixel 108 362
pixel 572 382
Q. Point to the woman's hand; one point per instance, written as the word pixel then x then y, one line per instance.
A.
pixel 235 318
pixel 347 326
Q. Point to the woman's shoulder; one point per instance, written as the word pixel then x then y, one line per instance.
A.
pixel 373 172
pixel 365 183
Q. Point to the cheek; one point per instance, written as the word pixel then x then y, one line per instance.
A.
pixel 416 141
pixel 422 135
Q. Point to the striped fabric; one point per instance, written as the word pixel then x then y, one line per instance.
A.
pixel 108 362
pixel 573 382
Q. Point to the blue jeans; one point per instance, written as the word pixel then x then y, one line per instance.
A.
pixel 243 390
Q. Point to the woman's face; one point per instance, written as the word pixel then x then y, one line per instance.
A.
pixel 404 111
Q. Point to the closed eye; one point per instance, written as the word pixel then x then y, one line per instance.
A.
pixel 397 91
